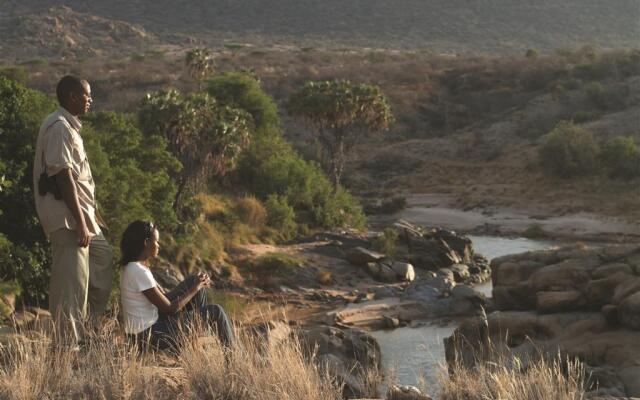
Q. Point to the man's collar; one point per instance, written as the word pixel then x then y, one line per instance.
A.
pixel 73 120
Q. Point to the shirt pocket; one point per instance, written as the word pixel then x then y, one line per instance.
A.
pixel 83 171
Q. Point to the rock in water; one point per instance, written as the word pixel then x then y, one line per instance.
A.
pixel 400 392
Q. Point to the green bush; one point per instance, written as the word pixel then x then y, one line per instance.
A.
pixel 568 151
pixel 386 242
pixel 275 264
pixel 580 117
pixel 280 216
pixel 393 205
pixel 621 158
pixel 606 98
pixel 23 248
pixel 272 167
pixel 242 90
pixel 132 173
pixel 18 74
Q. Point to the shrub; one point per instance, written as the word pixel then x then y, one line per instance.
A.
pixel 272 167
pixel 532 54
pixel 17 74
pixel 324 277
pixel 7 291
pixel 242 90
pixel 132 173
pixel 606 98
pixel 569 150
pixel 386 242
pixel 23 248
pixel 280 216
pixel 535 231
pixel 251 211
pixel 393 205
pixel 275 264
pixel 621 157
pixel 580 117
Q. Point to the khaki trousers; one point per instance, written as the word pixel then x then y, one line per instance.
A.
pixel 80 277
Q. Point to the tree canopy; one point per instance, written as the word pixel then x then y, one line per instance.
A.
pixel 206 137
pixel 199 61
pixel 340 112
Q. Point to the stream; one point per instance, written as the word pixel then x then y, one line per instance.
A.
pixel 415 356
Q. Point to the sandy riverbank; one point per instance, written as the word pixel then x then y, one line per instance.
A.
pixel 438 210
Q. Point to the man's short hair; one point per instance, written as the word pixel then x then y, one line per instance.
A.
pixel 67 85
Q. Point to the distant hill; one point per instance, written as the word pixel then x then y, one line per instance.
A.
pixel 440 25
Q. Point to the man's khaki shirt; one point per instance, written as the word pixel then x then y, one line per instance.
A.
pixel 59 147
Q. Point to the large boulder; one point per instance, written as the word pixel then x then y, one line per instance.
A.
pixel 629 312
pixel 607 270
pixel 361 256
pixel 347 353
pixel 553 302
pixel 567 274
pixel 460 272
pixel 404 271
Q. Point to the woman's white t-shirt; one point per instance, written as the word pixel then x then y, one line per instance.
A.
pixel 138 312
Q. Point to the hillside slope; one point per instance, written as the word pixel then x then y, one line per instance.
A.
pixel 441 25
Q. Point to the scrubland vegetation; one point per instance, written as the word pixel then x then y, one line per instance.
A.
pixel 254 369
pixel 209 167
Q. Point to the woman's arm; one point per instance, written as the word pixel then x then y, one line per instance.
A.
pixel 158 299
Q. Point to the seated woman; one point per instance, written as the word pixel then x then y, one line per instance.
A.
pixel 151 316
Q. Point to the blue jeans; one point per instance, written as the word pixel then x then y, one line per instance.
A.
pixel 165 333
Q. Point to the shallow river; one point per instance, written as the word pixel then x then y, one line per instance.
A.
pixel 414 354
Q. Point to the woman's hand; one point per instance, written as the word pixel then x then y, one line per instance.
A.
pixel 202 280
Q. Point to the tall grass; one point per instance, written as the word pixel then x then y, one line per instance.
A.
pixel 255 370
pixel 109 368
pixel 510 377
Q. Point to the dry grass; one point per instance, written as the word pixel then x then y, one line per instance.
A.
pixel 251 211
pixel 255 371
pixel 324 277
pixel 110 369
pixel 513 378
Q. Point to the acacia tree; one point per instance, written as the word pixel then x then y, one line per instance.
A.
pixel 340 113
pixel 199 61
pixel 207 138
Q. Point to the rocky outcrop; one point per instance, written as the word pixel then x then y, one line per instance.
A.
pixel 437 248
pixel 581 301
pixel 417 250
pixel 390 272
pixel 348 354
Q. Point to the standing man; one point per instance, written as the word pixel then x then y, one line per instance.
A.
pixel 81 271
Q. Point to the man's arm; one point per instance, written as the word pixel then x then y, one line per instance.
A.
pixel 100 220
pixel 67 186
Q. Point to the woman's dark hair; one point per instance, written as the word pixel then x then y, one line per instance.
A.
pixel 132 243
